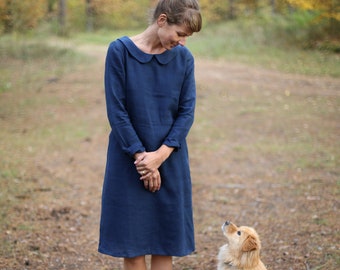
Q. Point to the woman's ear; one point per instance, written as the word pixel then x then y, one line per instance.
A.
pixel 162 20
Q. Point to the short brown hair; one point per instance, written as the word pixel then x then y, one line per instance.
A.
pixel 180 12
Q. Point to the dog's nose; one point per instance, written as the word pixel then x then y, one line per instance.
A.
pixel 227 223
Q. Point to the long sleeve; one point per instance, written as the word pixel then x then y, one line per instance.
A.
pixel 186 108
pixel 115 93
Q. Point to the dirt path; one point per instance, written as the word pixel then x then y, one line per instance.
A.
pixel 234 176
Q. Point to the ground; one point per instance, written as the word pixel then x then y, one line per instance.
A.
pixel 264 152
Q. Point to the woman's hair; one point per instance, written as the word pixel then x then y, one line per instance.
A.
pixel 180 12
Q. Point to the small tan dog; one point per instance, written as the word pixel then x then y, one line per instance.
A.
pixel 242 251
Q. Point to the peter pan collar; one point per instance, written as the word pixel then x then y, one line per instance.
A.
pixel 143 57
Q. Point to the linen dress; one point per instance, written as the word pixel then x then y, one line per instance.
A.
pixel 150 101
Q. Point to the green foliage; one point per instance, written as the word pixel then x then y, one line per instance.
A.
pixel 76 14
pixel 251 41
pixel 264 42
pixel 115 14
pixel 104 36
pixel 17 15
pixel 326 8
pixel 293 29
pixel 31 51
pixel 300 29
pixel 214 11
pixel 296 23
pixel 119 14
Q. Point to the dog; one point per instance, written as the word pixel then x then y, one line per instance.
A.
pixel 242 251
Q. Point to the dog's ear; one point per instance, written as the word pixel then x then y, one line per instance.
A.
pixel 250 244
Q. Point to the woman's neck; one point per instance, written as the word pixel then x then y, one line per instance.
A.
pixel 148 41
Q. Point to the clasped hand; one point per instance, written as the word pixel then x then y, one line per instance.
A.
pixel 147 164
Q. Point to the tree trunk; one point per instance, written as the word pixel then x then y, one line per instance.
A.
pixel 50 4
pixel 89 16
pixel 334 24
pixel 62 17
pixel 273 5
pixel 8 18
pixel 231 10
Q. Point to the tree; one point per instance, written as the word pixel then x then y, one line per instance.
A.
pixel 232 14
pixel 89 15
pixel 62 17
pixel 273 6
pixel 17 15
pixel 326 8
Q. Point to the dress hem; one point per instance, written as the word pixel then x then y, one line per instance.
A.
pixel 132 255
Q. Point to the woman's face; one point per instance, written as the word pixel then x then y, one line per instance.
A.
pixel 172 35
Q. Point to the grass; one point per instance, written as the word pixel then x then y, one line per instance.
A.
pixel 27 65
pixel 247 41
pixel 251 43
pixel 103 37
pixel 296 131
pixel 25 57
pixel 233 41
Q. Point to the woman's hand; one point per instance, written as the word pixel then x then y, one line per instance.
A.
pixel 153 182
pixel 148 162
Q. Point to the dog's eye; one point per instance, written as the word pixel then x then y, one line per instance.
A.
pixel 239 232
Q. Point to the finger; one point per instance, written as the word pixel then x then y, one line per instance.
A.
pixel 144 175
pixel 151 185
pixel 140 167
pixel 142 171
pixel 146 184
pixel 139 159
pixel 157 185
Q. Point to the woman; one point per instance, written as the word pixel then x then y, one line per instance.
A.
pixel 150 97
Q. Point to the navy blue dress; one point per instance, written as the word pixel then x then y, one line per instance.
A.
pixel 150 101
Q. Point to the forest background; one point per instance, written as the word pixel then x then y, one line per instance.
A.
pixel 310 23
pixel 265 148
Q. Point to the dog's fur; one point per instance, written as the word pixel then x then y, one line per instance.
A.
pixel 242 251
